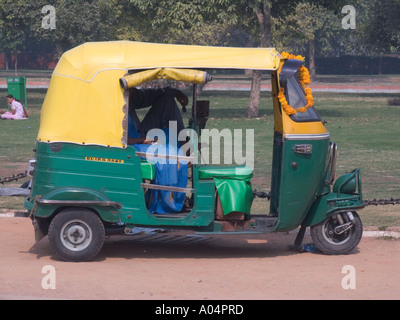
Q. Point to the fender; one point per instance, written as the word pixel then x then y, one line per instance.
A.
pixel 58 198
pixel 329 204
pixel 346 195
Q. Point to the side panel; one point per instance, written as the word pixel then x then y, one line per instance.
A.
pixel 276 173
pixel 302 177
pixel 66 171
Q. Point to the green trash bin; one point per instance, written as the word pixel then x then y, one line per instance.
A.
pixel 17 87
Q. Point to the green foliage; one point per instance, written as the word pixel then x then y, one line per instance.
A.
pixel 186 22
pixel 15 25
pixel 78 22
pixel 306 22
pixel 382 32
pixel 212 22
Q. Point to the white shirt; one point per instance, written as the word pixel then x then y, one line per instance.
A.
pixel 19 109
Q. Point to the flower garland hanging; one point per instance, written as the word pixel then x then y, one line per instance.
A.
pixel 304 77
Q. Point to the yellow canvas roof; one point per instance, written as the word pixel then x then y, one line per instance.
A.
pixel 85 61
pixel 84 103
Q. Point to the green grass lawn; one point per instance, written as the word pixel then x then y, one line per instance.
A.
pixel 365 127
pixel 18 137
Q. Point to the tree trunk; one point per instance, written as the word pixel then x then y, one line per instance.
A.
pixel 380 64
pixel 7 57
pixel 16 65
pixel 254 101
pixel 263 14
pixel 59 51
pixel 311 54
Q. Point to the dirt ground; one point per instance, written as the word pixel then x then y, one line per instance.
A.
pixel 229 269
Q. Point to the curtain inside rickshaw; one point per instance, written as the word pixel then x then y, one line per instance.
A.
pixel 185 75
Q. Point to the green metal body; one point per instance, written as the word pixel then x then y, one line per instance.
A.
pixel 301 181
pixel 345 196
pixel 69 172
pixel 300 189
pixel 107 180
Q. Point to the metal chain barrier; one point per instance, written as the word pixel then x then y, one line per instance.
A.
pixel 13 177
pixel 381 202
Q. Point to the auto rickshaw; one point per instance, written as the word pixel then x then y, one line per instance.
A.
pixel 88 183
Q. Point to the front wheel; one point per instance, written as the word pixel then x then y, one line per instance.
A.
pixel 76 235
pixel 338 234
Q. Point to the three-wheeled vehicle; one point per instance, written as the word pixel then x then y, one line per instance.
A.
pixel 89 183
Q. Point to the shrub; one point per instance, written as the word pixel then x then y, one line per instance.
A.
pixel 394 102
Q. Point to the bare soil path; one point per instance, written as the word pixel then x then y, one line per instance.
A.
pixel 217 269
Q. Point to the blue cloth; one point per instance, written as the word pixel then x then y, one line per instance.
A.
pixel 132 131
pixel 169 172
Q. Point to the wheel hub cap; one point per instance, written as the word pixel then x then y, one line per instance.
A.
pixel 76 235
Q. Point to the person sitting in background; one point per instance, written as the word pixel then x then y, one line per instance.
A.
pixel 17 112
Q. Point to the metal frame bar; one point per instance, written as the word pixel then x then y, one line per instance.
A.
pixel 164 156
pixel 166 188
pixel 78 203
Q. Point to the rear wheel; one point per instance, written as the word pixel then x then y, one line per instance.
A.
pixel 76 235
pixel 338 234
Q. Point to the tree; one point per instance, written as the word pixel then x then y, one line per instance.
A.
pixel 381 35
pixel 304 27
pixel 15 28
pixel 77 22
pixel 262 10
pixel 383 31
pixel 128 23
pixel 2 10
pixel 171 21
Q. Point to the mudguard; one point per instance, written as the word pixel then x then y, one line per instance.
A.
pixel 337 200
pixel 44 206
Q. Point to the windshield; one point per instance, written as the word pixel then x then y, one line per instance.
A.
pixel 295 96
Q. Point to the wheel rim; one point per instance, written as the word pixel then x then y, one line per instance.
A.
pixel 332 237
pixel 76 235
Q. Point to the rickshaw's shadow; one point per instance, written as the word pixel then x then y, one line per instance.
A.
pixel 271 245
pixel 42 249
pixel 130 247
pixel 127 247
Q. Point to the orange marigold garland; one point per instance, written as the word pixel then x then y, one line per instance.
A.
pixel 304 77
pixel 287 55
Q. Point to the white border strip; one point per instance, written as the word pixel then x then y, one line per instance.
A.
pixel 319 136
pixel 380 234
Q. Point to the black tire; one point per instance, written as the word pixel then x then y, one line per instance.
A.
pixel 76 235
pixel 329 242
